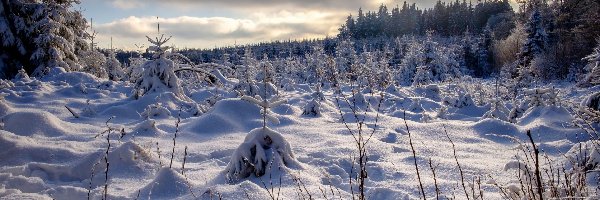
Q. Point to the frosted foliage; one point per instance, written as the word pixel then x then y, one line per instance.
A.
pixel 56 41
pixel 94 63
pixel 542 97
pixel 135 69
pixel 258 149
pixel 113 66
pixel 422 77
pixel 497 111
pixel 590 108
pixel 592 101
pixel 584 156
pixel 312 108
pixel 22 76
pixel 266 72
pixel 463 100
pixel 441 60
pixel 6 83
pixel 517 111
pixel 316 63
pixel 246 71
pixel 346 57
pixel 159 74
pixel 410 62
pixel 593 67
pixel 156 110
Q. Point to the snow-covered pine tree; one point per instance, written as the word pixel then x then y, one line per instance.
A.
pixel 134 70
pixel 469 53
pixel 593 67
pixel 94 63
pixel 159 73
pixel 40 35
pixel 345 59
pixel 534 45
pixel 267 71
pixel 246 73
pixel 484 58
pixel 413 59
pixel 113 66
pixel 365 71
pixel 316 65
pixel 253 156
pixel 422 76
pixel 22 76
pixel 92 60
pixel 384 72
pixel 498 110
pixel 61 32
pixel 313 108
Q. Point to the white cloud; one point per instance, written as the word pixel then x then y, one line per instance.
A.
pixel 207 32
pixel 126 4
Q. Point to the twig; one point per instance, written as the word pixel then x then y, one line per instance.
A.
pixel 72 112
pixel 184 159
pixel 414 156
pixel 462 176
pixel 538 177
pixel 437 189
pixel 175 136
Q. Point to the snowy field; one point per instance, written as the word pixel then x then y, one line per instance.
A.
pixel 54 141
pixel 494 99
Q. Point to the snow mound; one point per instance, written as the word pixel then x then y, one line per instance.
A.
pixel 130 108
pixel 550 115
pixel 146 128
pixel 495 127
pixel 430 91
pixel 592 101
pixel 17 195
pixel 130 158
pixel 155 111
pixel 4 108
pixel 312 108
pixel 236 191
pixel 166 185
pixel 227 116
pixel 72 78
pixel 127 160
pixel 20 150
pixel 46 124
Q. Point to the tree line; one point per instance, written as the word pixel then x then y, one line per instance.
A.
pixel 446 19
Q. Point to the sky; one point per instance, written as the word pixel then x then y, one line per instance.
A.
pixel 219 23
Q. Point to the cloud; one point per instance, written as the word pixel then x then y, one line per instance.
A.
pixel 256 4
pixel 126 4
pixel 207 32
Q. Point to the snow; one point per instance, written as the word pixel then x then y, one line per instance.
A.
pixel 49 153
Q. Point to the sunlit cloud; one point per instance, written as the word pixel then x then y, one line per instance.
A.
pixel 207 32
pixel 126 4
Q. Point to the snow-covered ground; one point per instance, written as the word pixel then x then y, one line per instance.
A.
pixel 47 153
